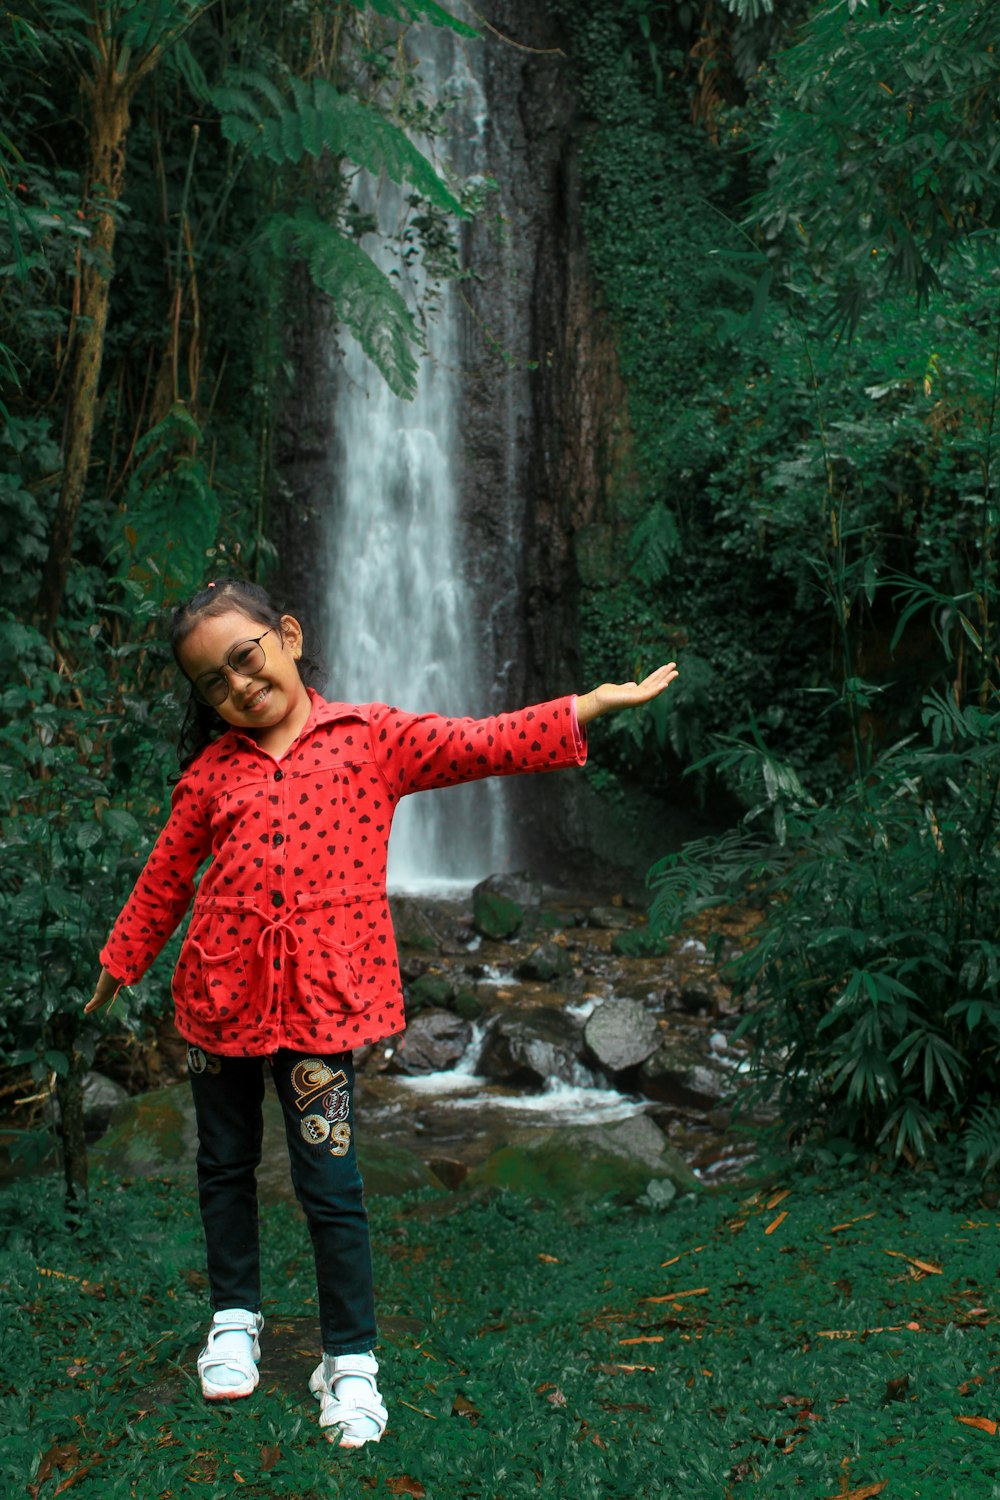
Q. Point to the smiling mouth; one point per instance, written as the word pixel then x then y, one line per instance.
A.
pixel 256 701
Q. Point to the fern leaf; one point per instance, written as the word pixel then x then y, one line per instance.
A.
pixel 284 142
pixel 654 542
pixel 982 1139
pixel 409 11
pixel 367 303
pixel 323 119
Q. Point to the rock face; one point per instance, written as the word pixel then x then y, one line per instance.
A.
pixel 621 1034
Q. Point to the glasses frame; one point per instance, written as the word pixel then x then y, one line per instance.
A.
pixel 228 667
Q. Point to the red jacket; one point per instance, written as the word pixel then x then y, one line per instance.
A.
pixel 290 942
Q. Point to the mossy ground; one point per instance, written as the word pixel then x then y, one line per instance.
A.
pixel 821 1336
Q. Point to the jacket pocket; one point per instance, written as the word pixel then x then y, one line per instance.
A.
pixel 212 978
pixel 349 935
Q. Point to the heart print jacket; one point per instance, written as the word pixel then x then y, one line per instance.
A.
pixel 290 942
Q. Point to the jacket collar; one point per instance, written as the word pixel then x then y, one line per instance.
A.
pixel 322 711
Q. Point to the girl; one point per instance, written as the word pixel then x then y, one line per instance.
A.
pixel 290 958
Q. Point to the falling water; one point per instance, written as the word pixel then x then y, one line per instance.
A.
pixel 404 627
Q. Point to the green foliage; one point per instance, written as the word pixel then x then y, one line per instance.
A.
pixel 871 984
pixel 82 777
pixel 912 88
pixel 813 525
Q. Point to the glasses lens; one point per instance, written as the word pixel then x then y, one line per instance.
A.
pixel 246 658
pixel 213 690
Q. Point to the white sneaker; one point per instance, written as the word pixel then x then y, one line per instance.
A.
pixel 351 1409
pixel 227 1366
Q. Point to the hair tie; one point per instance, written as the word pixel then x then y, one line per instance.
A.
pixel 211 585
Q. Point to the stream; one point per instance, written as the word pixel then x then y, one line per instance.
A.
pixel 548 1045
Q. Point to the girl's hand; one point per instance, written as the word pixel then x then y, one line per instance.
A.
pixel 611 696
pixel 107 987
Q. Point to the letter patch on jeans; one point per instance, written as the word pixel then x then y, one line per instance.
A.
pixel 328 1093
pixel 311 1078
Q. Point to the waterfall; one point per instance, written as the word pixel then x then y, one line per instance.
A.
pixel 406 627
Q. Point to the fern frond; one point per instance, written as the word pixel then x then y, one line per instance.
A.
pixel 367 303
pixel 654 542
pixel 705 873
pixel 982 1139
pixel 318 118
pixel 409 11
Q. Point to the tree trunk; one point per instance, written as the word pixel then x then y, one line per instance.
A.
pixel 110 93
pixel 69 1091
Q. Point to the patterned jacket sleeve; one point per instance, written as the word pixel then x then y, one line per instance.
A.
pixel 163 892
pixel 417 752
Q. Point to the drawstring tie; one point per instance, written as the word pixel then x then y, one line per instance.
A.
pixel 276 942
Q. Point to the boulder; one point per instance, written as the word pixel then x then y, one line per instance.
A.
pixel 101 1097
pixel 468 1005
pixel 411 924
pixel 680 1072
pixel 428 990
pixel 433 1042
pixel 621 1033
pixel 546 962
pixel 606 918
pixel 499 903
pixel 579 1166
pixel 516 885
pixel 530 1046
pixel 494 914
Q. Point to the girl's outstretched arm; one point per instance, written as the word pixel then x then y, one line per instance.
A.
pixel 611 696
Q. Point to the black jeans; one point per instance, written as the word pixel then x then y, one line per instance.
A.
pixel 317 1100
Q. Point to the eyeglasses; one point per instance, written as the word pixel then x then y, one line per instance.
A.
pixel 245 659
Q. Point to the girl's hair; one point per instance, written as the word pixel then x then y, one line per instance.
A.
pixel 201 723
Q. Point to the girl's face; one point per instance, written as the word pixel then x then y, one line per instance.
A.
pixel 274 695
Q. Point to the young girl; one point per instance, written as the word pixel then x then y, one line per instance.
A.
pixel 289 959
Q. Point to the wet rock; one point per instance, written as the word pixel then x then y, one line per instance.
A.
pixel 532 1045
pixel 606 918
pixel 621 1033
pixel 448 1171
pixel 697 999
pixel 679 1072
pixel 412 924
pixel 516 885
pixel 101 1097
pixel 430 989
pixel 501 900
pixel 468 1005
pixel 546 962
pixel 578 1166
pixel 495 915
pixel 432 1042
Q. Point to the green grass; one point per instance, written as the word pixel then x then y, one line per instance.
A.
pixel 528 1354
